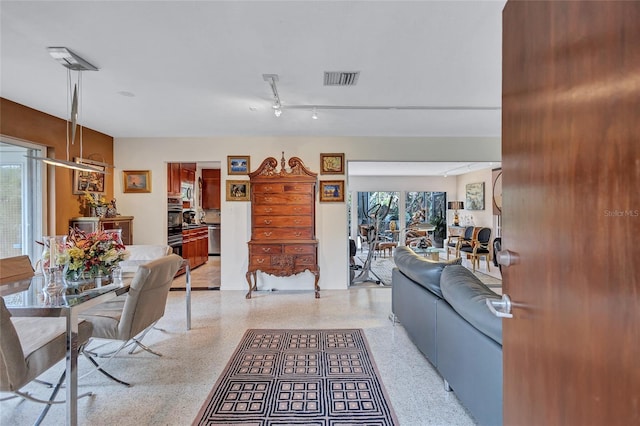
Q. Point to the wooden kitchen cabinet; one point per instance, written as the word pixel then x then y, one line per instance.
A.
pixel 92 224
pixel 283 233
pixel 174 178
pixel 211 189
pixel 195 246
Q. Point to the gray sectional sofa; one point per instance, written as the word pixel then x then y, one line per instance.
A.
pixel 442 306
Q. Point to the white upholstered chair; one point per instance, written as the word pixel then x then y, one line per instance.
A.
pixel 29 346
pixel 129 320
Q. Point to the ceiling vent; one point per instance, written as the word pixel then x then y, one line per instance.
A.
pixel 341 78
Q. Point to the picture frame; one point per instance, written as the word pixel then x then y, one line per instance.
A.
pixel 475 196
pixel 238 164
pixel 331 191
pixel 92 182
pixel 238 190
pixel 136 181
pixel 332 164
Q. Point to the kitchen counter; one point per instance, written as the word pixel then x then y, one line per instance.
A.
pixel 194 226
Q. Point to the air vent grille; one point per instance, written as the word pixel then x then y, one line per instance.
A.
pixel 341 78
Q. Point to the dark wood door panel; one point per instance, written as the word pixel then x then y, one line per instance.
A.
pixel 571 173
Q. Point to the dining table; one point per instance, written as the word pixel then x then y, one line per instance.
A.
pixel 29 299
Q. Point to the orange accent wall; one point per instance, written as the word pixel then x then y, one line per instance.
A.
pixel 21 122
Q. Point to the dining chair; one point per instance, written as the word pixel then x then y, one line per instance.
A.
pixel 130 319
pixel 455 243
pixel 479 247
pixel 29 346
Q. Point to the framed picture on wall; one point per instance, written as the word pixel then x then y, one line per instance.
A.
pixel 238 190
pixel 331 191
pixel 475 196
pixel 92 182
pixel 332 164
pixel 136 181
pixel 238 164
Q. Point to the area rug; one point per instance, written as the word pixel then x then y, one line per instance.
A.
pixel 295 377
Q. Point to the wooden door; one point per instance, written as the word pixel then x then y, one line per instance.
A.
pixel 571 211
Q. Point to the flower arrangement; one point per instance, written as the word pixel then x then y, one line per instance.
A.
pixel 93 254
pixel 94 200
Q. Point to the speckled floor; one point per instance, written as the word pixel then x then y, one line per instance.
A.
pixel 171 389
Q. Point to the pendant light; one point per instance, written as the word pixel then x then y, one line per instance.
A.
pixel 72 62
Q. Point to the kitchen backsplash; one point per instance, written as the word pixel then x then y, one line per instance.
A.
pixel 212 216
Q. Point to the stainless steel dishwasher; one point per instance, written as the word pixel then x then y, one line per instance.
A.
pixel 214 240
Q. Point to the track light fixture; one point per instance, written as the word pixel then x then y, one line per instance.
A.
pixel 277 106
pixel 314 114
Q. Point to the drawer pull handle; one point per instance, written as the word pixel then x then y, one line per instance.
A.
pixel 268 210
pixel 267 222
pixel 268 234
pixel 298 249
pixel 266 249
pixel 297 209
pixel 260 260
pixel 297 221
pixel 297 234
pixel 268 199
pixel 268 188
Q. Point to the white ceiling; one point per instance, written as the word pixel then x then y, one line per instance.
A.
pixel 195 68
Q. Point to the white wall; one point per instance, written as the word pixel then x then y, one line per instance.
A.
pixel 477 217
pixel 150 214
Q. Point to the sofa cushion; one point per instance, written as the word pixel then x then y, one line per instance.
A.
pixel 467 296
pixel 423 271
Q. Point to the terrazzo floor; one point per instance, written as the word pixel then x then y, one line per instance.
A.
pixel 171 389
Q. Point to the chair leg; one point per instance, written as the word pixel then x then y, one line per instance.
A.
pixel 137 340
pixel 98 367
pixel 51 399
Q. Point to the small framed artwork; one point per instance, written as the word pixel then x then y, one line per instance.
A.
pixel 331 191
pixel 238 164
pixel 136 180
pixel 331 164
pixel 92 182
pixel 238 190
pixel 475 196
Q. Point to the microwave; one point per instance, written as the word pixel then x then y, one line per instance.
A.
pixel 186 190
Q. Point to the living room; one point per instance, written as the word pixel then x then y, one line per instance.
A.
pixel 546 143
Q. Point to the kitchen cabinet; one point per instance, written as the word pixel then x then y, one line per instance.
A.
pixel 188 172
pixel 178 173
pixel 174 178
pixel 283 232
pixel 195 245
pixel 211 189
pixel 92 224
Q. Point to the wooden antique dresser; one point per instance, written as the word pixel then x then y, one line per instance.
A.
pixel 283 232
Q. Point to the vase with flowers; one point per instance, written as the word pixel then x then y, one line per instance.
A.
pixel 96 204
pixel 92 257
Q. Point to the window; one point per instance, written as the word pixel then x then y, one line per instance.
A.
pixel 20 202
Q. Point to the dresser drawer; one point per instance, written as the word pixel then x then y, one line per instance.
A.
pixel 264 249
pixel 262 199
pixel 260 233
pixel 277 188
pixel 307 259
pixel 281 210
pixel 300 249
pixel 283 221
pixel 260 261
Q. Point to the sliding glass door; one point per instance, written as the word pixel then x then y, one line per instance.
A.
pixel 21 186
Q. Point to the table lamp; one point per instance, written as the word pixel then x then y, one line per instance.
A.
pixel 455 206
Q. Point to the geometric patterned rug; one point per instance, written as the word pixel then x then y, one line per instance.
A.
pixel 296 377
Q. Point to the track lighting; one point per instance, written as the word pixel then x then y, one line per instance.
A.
pixel 314 114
